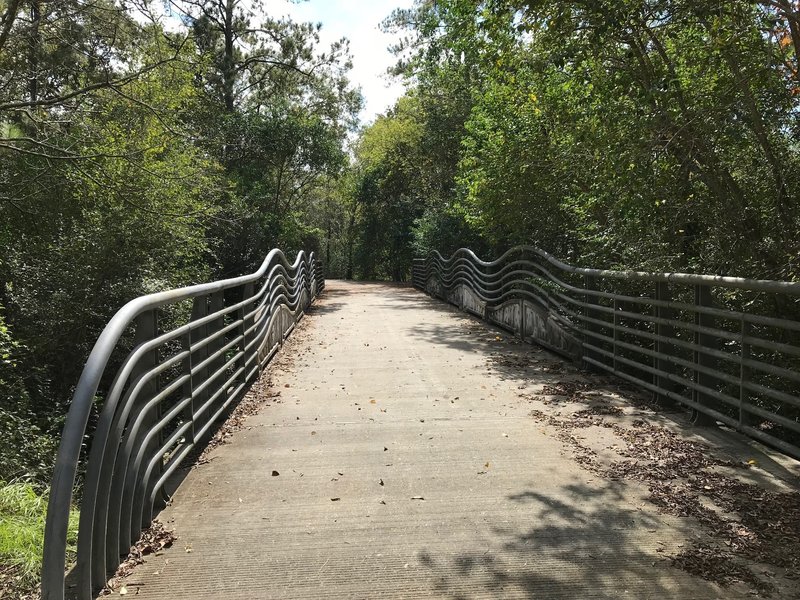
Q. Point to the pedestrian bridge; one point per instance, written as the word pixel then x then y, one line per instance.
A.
pixel 389 444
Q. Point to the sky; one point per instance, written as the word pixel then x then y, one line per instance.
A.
pixel 358 21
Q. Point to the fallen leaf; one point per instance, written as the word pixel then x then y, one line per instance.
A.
pixel 417 498
pixel 372 401
pixel 275 473
pixel 335 499
pixel 487 464
pixel 123 590
pixel 380 481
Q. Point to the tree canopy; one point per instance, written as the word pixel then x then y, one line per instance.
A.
pixel 654 134
pixel 146 145
pixel 139 152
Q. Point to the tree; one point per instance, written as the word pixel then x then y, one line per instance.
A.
pixel 648 134
pixel 55 57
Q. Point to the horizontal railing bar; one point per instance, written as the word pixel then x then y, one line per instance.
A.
pixel 200 344
pixel 216 354
pixel 212 419
pixel 666 375
pixel 721 354
pixel 780 287
pixel 584 309
pixel 721 375
pixel 718 333
pixel 211 378
pixel 277 283
pixel 647 300
pixel 220 390
pixel 790 449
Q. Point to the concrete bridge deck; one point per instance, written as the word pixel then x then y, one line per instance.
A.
pixel 413 451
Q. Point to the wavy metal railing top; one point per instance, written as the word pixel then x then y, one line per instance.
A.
pixel 728 348
pixel 191 353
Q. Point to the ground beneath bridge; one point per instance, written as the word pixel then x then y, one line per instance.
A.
pixel 404 450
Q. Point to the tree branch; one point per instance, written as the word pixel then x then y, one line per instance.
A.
pixel 92 88
pixel 7 22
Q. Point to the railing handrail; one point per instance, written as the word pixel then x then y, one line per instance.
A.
pixel 675 334
pixel 68 457
pixel 765 285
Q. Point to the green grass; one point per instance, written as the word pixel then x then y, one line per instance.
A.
pixel 22 518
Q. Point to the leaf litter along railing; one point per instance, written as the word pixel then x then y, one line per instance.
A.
pixel 726 347
pixel 176 377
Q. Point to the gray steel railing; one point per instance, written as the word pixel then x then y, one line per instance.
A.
pixel 184 357
pixel 728 348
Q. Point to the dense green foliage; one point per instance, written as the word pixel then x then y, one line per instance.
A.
pixel 655 134
pixel 138 153
pixel 22 516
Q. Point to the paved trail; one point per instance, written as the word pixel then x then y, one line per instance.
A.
pixel 409 466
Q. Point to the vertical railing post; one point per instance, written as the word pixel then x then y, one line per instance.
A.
pixel 188 388
pixel 615 332
pixel 590 284
pixel 216 303
pixel 146 330
pixel 522 319
pixel 313 275
pixel 245 323
pixel 307 283
pixel 744 374
pixel 703 299
pixel 196 335
pixel 663 349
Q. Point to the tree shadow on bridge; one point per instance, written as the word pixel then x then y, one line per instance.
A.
pixel 586 541
pixel 530 366
pixel 507 357
pixel 330 301
pixel 324 307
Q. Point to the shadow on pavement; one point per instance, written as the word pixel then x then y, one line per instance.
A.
pixel 597 542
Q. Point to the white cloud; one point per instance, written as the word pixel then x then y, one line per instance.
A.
pixel 357 20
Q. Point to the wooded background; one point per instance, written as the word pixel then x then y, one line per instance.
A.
pixel 135 157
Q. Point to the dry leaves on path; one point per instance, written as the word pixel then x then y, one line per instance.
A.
pixel 753 531
pixel 153 541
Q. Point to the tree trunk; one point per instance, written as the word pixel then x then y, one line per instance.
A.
pixel 33 52
pixel 228 67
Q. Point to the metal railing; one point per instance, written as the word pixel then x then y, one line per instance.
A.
pixel 728 348
pixel 184 356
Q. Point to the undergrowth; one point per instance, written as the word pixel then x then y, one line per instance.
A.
pixel 22 517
